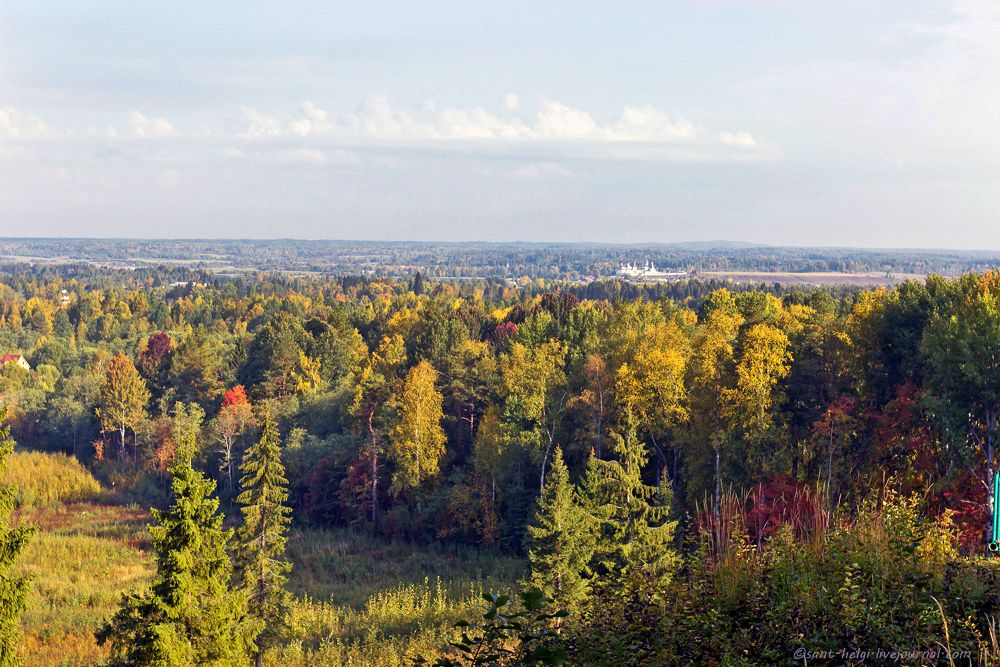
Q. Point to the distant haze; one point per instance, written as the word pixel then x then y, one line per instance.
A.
pixel 784 122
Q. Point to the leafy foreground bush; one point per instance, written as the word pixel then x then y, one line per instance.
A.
pixel 514 635
pixel 888 580
pixel 42 478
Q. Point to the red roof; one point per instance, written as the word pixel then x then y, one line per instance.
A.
pixel 10 357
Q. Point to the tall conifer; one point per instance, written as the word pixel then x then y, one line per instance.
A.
pixel 262 537
pixel 636 531
pixel 189 616
pixel 561 539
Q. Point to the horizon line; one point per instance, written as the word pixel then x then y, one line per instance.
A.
pixel 720 243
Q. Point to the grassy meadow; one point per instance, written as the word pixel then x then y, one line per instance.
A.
pixel 357 602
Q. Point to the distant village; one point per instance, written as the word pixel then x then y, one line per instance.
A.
pixel 648 271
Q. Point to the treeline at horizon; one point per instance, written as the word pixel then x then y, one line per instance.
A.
pixel 693 473
pixel 548 261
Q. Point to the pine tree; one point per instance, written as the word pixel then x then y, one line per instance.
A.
pixel 561 539
pixel 262 537
pixel 189 616
pixel 13 590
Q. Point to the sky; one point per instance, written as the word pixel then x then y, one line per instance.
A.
pixel 790 122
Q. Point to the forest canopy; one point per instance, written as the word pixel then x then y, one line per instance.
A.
pixel 618 445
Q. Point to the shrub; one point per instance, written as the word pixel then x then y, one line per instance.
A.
pixel 882 578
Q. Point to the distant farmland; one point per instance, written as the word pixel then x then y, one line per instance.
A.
pixel 819 279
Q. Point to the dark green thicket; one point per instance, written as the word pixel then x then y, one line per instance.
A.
pixel 13 540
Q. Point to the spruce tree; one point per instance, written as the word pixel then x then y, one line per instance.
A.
pixel 262 537
pixel 561 539
pixel 189 616
pixel 637 534
pixel 13 590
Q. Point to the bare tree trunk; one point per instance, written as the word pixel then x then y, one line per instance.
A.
pixel 660 454
pixel 545 458
pixel 991 421
pixel 718 484
pixel 829 462
pixel 232 472
pixel 673 472
pixel 371 429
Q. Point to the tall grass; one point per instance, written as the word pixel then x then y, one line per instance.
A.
pixel 359 601
pixel 43 478
pixel 81 561
pixel 391 628
pixel 348 566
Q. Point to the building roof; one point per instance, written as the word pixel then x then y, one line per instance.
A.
pixel 10 357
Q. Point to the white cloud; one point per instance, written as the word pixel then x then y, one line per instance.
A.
pixel 15 124
pixel 649 124
pixel 558 121
pixel 313 119
pixel 738 139
pixel 252 124
pixel 143 126
pixel 552 131
pixel 377 119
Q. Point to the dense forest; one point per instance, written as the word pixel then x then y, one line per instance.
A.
pixel 679 474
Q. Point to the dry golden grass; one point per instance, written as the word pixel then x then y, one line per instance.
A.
pixel 43 478
pixel 82 559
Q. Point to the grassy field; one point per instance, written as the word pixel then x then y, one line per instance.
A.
pixel 82 559
pixel 357 602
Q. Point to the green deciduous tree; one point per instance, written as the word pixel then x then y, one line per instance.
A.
pixel 534 388
pixel 709 372
pixel 373 386
pixel 489 448
pixel 962 348
pixel 196 367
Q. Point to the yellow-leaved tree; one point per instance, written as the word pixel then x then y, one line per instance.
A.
pixel 123 398
pixel 417 440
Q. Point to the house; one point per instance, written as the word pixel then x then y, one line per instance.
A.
pixel 15 359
